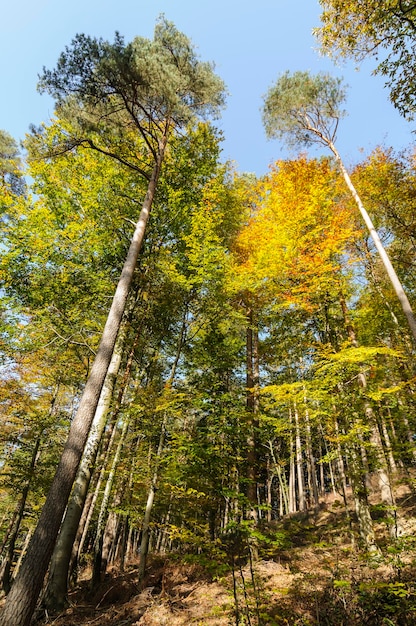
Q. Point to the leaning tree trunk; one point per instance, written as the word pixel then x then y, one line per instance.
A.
pixel 56 592
pixel 394 279
pixel 21 601
pixel 386 490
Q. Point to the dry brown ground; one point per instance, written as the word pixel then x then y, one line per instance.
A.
pixel 316 578
pixel 321 579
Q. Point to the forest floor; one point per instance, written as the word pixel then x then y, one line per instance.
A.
pixel 316 577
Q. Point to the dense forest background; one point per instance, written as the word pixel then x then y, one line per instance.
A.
pixel 256 369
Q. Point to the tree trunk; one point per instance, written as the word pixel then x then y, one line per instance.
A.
pixel 331 471
pixel 313 479
pixel 252 378
pixel 386 491
pixel 144 546
pixel 102 518
pixel 394 279
pixel 6 565
pixel 283 488
pixel 292 469
pixel 299 464
pixel 55 597
pixel 96 494
pixel 21 601
pixel 387 442
pixel 359 491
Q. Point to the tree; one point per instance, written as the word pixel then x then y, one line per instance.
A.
pixel 10 165
pixel 305 109
pixel 148 88
pixel 371 29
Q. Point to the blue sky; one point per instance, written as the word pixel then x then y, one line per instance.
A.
pixel 251 43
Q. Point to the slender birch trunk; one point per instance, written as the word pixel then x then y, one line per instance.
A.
pixel 96 493
pixel 299 464
pixel 313 482
pixel 387 443
pixel 292 469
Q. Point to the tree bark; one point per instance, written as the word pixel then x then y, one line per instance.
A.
pixel 313 479
pixel 55 596
pixel 394 279
pixel 102 518
pixel 252 377
pixel 299 464
pixel 21 601
pixel 386 491
pixel 292 469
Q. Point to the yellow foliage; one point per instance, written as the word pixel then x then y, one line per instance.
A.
pixel 292 244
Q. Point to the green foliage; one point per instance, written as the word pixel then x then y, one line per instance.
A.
pixel 134 87
pixel 385 31
pixel 11 171
pixel 304 109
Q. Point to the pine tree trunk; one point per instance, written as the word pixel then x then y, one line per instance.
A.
pixel 21 601
pixel 394 279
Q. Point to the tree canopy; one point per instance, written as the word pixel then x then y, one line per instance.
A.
pixel 383 30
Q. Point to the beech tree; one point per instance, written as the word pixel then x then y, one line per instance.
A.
pixel 384 30
pixel 305 110
pixel 145 87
